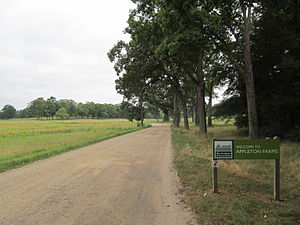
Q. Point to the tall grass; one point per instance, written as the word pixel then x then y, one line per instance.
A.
pixel 25 141
pixel 246 186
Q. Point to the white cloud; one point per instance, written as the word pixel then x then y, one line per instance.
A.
pixel 59 47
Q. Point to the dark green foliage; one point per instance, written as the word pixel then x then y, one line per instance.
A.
pixel 69 105
pixel 8 112
pixel 277 69
pixel 132 112
pixel 52 106
pixel 41 108
pixel 62 114
pixel 66 109
pixel 229 107
pixel 276 66
pixel 38 108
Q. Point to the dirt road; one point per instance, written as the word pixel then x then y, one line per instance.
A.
pixel 124 180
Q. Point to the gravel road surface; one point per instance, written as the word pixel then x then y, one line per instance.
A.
pixel 126 180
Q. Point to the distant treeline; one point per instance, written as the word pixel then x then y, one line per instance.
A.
pixel 52 108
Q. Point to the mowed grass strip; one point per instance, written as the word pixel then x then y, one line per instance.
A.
pixel 25 141
pixel 246 186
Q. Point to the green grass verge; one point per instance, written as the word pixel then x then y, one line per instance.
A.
pixel 45 142
pixel 246 186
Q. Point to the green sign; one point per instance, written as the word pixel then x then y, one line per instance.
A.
pixel 246 149
pixel 256 149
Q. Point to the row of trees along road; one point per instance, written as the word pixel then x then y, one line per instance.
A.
pixel 64 109
pixel 180 50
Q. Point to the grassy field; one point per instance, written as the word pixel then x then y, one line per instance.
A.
pixel 246 186
pixel 25 141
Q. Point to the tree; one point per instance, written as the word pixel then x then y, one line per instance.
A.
pixel 51 106
pixel 174 43
pixel 276 61
pixel 62 114
pixel 216 70
pixel 132 112
pixel 138 62
pixel 230 25
pixel 69 105
pixel 248 74
pixel 8 112
pixel 132 74
pixel 99 110
pixel 82 110
pixel 91 107
pixel 275 47
pixel 38 108
pixel 161 97
pixel 186 45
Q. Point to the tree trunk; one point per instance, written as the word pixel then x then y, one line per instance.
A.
pixel 176 113
pixel 193 114
pixel 248 77
pixel 185 114
pixel 209 117
pixel 173 118
pixel 142 115
pixel 166 116
pixel 209 106
pixel 200 95
pixel 196 115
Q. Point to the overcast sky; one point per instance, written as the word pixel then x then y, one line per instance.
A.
pixel 59 48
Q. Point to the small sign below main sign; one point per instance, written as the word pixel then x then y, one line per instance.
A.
pixel 215 164
pixel 223 149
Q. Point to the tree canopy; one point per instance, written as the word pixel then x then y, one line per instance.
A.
pixel 8 112
pixel 179 51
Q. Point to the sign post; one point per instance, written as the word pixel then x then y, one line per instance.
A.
pixel 223 149
pixel 248 149
pixel 277 180
pixel 215 165
pixel 215 179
